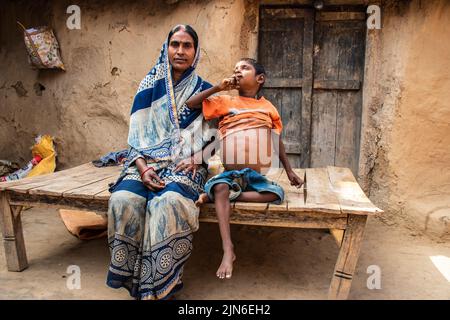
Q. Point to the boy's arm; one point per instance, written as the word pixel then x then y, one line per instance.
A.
pixel 195 102
pixel 293 178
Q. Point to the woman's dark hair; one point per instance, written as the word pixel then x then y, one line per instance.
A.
pixel 188 29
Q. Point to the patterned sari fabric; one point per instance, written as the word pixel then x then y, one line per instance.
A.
pixel 150 233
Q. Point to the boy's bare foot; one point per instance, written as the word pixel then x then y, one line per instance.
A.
pixel 226 267
pixel 203 198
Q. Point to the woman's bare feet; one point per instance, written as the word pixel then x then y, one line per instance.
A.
pixel 203 198
pixel 226 267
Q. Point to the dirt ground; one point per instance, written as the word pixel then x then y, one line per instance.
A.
pixel 272 263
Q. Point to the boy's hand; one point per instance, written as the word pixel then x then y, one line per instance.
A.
pixel 294 179
pixel 229 84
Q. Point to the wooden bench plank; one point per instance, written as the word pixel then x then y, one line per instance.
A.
pixel 42 178
pixel 296 196
pixel 63 175
pixel 350 195
pixel 319 192
pixel 293 196
pixel 89 191
pixel 57 187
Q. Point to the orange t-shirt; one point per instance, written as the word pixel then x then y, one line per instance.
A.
pixel 239 113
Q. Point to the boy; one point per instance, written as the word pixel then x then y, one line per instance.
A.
pixel 246 125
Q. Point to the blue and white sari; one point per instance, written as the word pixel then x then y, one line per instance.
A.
pixel 150 233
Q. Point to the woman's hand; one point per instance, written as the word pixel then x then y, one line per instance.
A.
pixel 189 165
pixel 152 181
pixel 229 84
pixel 294 179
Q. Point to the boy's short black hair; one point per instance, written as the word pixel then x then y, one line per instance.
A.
pixel 259 68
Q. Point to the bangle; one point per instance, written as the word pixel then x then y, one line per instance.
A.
pixel 149 168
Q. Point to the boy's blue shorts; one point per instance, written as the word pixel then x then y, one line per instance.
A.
pixel 244 180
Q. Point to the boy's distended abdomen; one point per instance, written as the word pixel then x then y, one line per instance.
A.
pixel 249 148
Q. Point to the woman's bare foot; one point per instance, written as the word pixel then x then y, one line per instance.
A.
pixel 203 198
pixel 226 267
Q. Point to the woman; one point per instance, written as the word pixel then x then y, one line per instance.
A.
pixel 152 215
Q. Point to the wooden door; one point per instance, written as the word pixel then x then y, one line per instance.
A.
pixel 339 42
pixel 314 62
pixel 285 50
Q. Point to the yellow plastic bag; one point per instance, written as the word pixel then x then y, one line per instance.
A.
pixel 44 148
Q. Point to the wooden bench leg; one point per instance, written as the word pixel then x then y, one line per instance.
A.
pixel 16 257
pixel 348 257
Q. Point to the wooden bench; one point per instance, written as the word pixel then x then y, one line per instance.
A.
pixel 331 199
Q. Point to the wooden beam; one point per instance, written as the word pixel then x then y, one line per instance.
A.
pixel 347 258
pixel 336 16
pixel 282 13
pixel 337 84
pixel 58 202
pixel 13 241
pixel 284 83
pixel 314 220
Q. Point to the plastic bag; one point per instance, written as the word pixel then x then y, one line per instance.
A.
pixel 22 172
pixel 44 160
pixel 45 149
pixel 42 47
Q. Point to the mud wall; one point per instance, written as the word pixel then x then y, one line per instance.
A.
pixel 405 153
pixel 87 108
